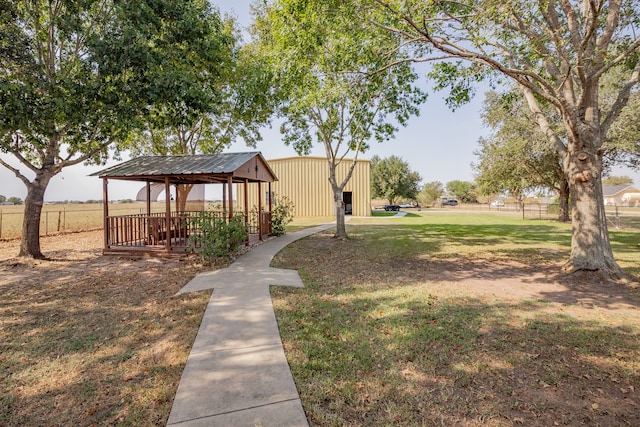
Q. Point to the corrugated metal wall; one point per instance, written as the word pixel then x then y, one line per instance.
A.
pixel 305 181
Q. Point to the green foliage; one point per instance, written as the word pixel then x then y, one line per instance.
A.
pixel 2 198
pixel 77 77
pixel 392 179
pixel 334 80
pixel 560 55
pixel 617 180
pixel 431 193
pixel 15 200
pixel 281 214
pixel 464 191
pixel 232 86
pixel 216 237
pixel 516 157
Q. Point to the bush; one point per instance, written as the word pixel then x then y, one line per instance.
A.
pixel 217 238
pixel 281 215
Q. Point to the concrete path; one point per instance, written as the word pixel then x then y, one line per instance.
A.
pixel 237 373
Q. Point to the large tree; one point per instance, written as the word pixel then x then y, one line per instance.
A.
pixel 556 52
pixel 237 89
pixel 516 157
pixel 431 193
pixel 235 102
pixel 84 73
pixel 464 191
pixel 331 84
pixel 392 179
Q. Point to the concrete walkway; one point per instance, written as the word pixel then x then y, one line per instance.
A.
pixel 237 373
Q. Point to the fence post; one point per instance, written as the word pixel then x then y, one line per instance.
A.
pixel 0 224
pixel 59 219
pixel 46 223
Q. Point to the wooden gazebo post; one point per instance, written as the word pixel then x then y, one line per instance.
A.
pixel 105 209
pixel 270 208
pixel 167 230
pixel 148 198
pixel 224 199
pixel 230 185
pixel 145 228
pixel 259 210
pixel 246 207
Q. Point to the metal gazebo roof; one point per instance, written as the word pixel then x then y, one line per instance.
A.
pixel 194 169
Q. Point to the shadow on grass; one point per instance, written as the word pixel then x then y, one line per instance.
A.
pixel 394 327
pixel 395 254
pixel 402 358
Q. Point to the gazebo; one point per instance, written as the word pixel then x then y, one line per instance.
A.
pixel 167 233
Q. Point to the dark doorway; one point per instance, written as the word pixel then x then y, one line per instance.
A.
pixel 347 198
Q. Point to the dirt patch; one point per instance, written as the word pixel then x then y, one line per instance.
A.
pixel 92 340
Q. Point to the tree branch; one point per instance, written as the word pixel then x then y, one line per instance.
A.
pixel 621 101
pixel 542 122
pixel 16 172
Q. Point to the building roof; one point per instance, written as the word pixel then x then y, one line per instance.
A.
pixel 193 169
pixel 613 190
pixel 323 158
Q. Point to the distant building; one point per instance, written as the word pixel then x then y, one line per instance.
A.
pixel 621 195
pixel 305 181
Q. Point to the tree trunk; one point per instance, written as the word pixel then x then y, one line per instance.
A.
pixel 30 244
pixel 590 245
pixel 563 201
pixel 182 197
pixel 341 229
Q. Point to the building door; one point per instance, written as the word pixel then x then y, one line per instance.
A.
pixel 347 199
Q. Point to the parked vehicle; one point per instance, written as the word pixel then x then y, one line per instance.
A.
pixel 450 202
pixel 413 204
pixel 391 207
pixel 497 204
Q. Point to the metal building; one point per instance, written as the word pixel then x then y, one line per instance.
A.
pixel 305 181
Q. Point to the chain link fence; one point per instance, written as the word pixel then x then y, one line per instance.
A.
pixel 618 217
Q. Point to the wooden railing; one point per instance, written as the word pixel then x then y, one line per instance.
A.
pixel 144 230
pixel 156 231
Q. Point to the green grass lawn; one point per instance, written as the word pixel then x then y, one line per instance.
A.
pixel 400 325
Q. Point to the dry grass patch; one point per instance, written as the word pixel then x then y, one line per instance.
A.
pixel 92 340
pixel 418 323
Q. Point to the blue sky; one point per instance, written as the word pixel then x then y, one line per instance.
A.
pixel 439 144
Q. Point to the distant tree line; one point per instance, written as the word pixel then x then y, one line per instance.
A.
pixel 12 200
